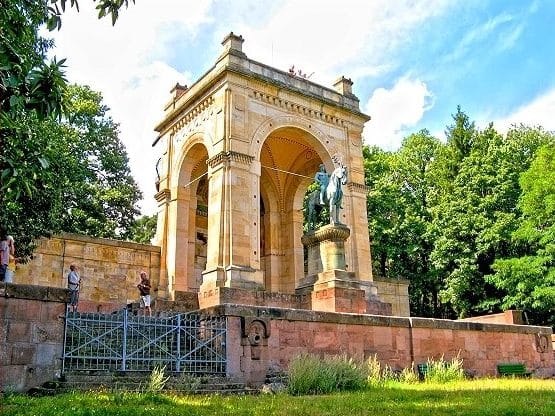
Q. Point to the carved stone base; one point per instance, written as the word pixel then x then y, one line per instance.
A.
pixel 227 295
pixel 326 248
pixel 340 291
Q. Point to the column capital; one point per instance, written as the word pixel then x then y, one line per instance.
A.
pixel 163 195
pixel 227 157
pixel 358 187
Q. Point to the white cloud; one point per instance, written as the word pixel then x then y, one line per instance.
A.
pixel 333 39
pixel 394 111
pixel 539 112
pixel 355 38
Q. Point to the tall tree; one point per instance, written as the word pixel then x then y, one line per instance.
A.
pixel 399 217
pixel 32 94
pixel 85 186
pixel 528 278
pixel 100 194
pixel 474 221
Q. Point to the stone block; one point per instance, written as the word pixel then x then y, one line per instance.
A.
pixel 22 354
pixel 12 377
pixel 19 332
pixel 47 354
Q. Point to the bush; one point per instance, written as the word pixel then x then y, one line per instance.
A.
pixel 378 375
pixel 157 380
pixel 309 374
pixel 409 375
pixel 441 371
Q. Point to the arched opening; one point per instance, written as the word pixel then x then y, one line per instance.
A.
pixel 191 236
pixel 289 158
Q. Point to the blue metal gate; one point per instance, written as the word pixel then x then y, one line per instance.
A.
pixel 187 342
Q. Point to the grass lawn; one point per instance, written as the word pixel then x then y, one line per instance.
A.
pixel 478 397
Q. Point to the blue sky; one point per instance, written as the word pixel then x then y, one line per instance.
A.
pixel 412 61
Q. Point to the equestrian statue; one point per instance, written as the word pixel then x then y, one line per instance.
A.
pixel 329 194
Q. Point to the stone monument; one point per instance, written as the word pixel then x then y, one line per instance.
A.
pixel 238 149
pixel 331 286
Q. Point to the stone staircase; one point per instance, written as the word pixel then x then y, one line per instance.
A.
pixel 139 382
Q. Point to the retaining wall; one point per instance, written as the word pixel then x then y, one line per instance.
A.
pixel 271 337
pixel 31 335
pixel 109 269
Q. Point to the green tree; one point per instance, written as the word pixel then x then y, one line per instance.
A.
pixel 382 208
pixel 100 195
pixel 528 279
pixel 85 185
pixel 399 216
pixel 32 93
pixel 474 221
pixel 142 230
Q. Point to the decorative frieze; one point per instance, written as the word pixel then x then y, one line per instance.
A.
pixel 193 118
pixel 290 106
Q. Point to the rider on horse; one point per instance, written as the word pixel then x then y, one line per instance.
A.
pixel 322 179
pixel 330 194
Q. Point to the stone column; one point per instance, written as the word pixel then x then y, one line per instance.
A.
pixel 165 285
pixel 233 253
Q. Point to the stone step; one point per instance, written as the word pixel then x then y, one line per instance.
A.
pixel 83 381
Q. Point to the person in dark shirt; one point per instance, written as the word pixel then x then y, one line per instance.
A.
pixel 144 290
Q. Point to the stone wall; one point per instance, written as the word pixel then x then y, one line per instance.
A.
pixel 109 269
pixel 507 317
pixel 395 292
pixel 396 341
pixel 31 335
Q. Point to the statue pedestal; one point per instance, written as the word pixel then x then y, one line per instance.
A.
pixel 331 287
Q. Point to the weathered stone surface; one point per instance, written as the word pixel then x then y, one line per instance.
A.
pixel 396 341
pixel 31 337
pixel 240 147
pixel 109 271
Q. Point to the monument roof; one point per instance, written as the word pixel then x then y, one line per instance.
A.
pixel 234 60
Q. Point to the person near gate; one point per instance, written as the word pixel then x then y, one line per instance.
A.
pixel 73 284
pixel 144 290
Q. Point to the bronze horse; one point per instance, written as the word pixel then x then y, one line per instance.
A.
pixel 333 198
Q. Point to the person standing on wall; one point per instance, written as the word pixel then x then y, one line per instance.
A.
pixel 12 261
pixel 5 252
pixel 144 290
pixel 73 284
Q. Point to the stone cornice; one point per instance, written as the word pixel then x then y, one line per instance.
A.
pixel 229 157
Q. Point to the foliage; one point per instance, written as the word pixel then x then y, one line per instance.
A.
pixel 528 278
pixel 440 371
pixel 402 189
pixel 33 101
pixel 517 397
pixel 100 193
pixel 309 374
pixel 142 229
pixel 441 214
pixel 474 221
pixel 79 169
pixel 379 375
pixel 157 380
